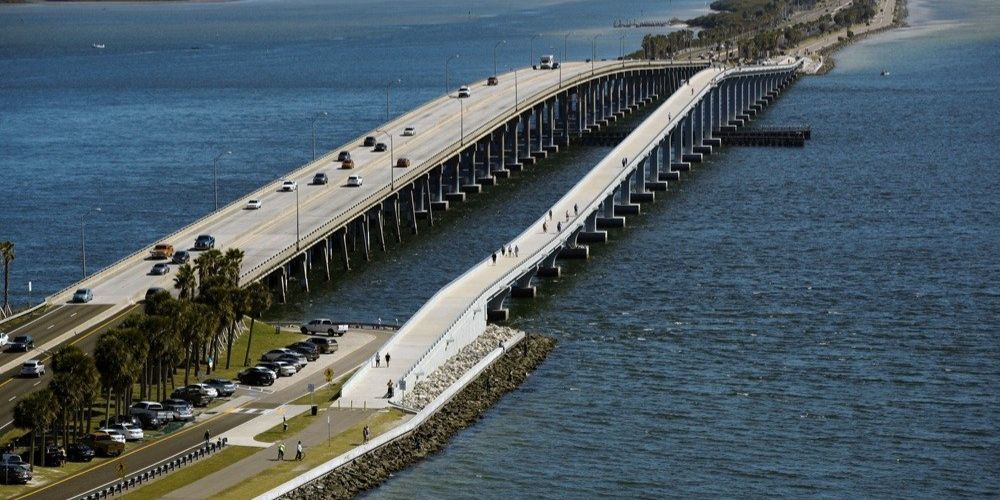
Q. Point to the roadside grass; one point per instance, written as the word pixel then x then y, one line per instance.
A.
pixel 264 339
pixel 7 326
pixel 315 455
pixel 42 476
pixel 295 424
pixel 327 394
pixel 190 474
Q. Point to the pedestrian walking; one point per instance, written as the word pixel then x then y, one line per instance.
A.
pixel 516 250
pixel 298 451
pixel 389 392
pixel 503 251
pixel 567 216
pixel 208 437
pixel 576 210
pixel 494 258
pixel 387 360
pixel 545 227
pixel 284 424
pixel 366 433
pixel 550 213
pixel 378 360
pixel 558 227
pixel 624 162
pixel 281 452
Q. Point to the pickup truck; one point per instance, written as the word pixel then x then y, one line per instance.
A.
pixel 323 325
pixel 104 444
pixel 151 409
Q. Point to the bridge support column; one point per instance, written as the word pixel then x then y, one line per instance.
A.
pixel 413 211
pixel 655 182
pixel 326 258
pixel 366 236
pixel 574 250
pixel 495 311
pixel 500 138
pixel 548 267
pixel 609 219
pixel 282 284
pixel 486 178
pixel 527 158
pixel 626 207
pixel 591 234
pixel 305 273
pixel 523 289
pixel 454 165
pixel 381 229
pixel 550 113
pixel 690 156
pixel 677 163
pixel 639 192
pixel 343 248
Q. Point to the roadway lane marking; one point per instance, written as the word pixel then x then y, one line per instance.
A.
pixel 51 326
pixel 11 399
pixel 71 315
pixel 36 383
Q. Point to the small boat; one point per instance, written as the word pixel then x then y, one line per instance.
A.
pixel 885 72
pixel 97 45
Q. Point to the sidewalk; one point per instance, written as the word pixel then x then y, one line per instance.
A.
pixel 312 436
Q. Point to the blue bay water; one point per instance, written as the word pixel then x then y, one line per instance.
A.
pixel 817 321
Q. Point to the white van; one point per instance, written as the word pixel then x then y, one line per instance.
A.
pixel 547 62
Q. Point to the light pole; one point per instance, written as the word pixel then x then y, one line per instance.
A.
pixel 461 103
pixel 387 87
pixel 621 47
pixel 83 242
pixel 315 117
pixel 297 218
pixel 516 100
pixel 531 50
pixel 501 42
pixel 392 173
pixel 565 41
pixel 446 82
pixel 593 52
pixel 215 162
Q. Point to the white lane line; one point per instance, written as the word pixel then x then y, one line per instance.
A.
pixel 50 327
pixel 36 383
pixel 11 399
pixel 71 315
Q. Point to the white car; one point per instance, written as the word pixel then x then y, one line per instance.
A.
pixel 354 181
pixel 253 205
pixel 289 185
pixel 212 392
pixel 4 338
pixel 463 91
pixel 33 368
pixel 115 434
pixel 131 432
pixel 409 132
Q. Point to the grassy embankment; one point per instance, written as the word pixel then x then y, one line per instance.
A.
pixel 188 475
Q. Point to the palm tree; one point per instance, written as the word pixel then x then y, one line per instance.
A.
pixel 258 301
pixel 219 299
pixel 186 281
pixel 208 265
pixel 7 255
pixel 36 412
pixel 232 261
pixel 112 359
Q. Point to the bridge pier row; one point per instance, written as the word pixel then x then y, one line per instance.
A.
pixel 590 233
pixel 608 219
pixel 655 181
pixel 548 268
pixel 499 138
pixel 639 192
pixel 438 201
pixel 513 158
pixel 522 288
pixel 550 144
pixel 484 177
pixel 413 209
pixel 687 134
pixel 469 184
pixel 495 311
pixel 525 119
pixel 365 236
pixel 624 191
pixel 381 228
pixel 677 163
pixel 326 258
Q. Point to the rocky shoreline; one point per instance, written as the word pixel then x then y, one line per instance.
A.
pixel 468 406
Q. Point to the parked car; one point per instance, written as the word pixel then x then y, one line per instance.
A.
pixel 274 354
pixel 152 423
pixel 319 325
pixel 491 81
pixel 295 359
pixel 320 179
pixel 131 432
pixel 4 338
pixel 162 251
pixel 224 387
pixel 307 349
pixel 53 456
pixel 380 147
pixel 253 205
pixel 121 419
pixel 159 269
pixel 195 395
pixel 79 452
pixel 212 392
pixel 150 409
pixel 348 163
pixel 281 368
pixel 151 291
pixel 403 163
pixel 105 444
pixel 116 435
pixel 463 92
pixel 181 257
pixel 204 242
pixel 83 295
pixel 33 368
pixel 409 132
pixel 354 181
pixel 256 376
pixel 14 474
pixel 369 141
pixel 22 343
pixel 13 459
pixel 183 411
pixel 325 345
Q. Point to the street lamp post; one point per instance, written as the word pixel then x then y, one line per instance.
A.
pixel 315 117
pixel 447 86
pixel 516 100
pixel 297 238
pixel 531 50
pixel 83 242
pixel 621 47
pixel 387 87
pixel 565 41
pixel 593 52
pixel 215 163
pixel 501 42
pixel 392 173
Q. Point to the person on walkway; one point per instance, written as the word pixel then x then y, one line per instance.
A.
pixel 503 251
pixel 501 346
pixel 208 436
pixel 567 216
pixel 389 392
pixel 494 258
pixel 545 227
pixel 298 451
pixel 517 250
pixel 281 452
pixel 284 424
pixel 550 213
pixel 366 433
pixel 378 360
pixel 387 360
pixel 576 210
pixel 624 162
pixel 558 227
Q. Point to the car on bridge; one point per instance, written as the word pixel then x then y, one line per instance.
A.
pixel 409 132
pixel 492 81
pixel 288 185
pixel 464 92
pixel 256 376
pixel 162 251
pixel 348 163
pixel 380 147
pixel 369 141
pixel 22 343
pixel 403 162
pixel 204 242
pixel 181 257
pixel 159 269
pixel 354 181
pixel 253 205
pixel 83 295
pixel 344 156
pixel 33 368
pixel 320 179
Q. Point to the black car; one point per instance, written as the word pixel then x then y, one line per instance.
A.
pixel 14 474
pixel 252 376
pixel 307 349
pixel 194 395
pixel 79 452
pixel 181 257
pixel 320 178
pixel 53 456
pixel 369 141
pixel 22 343
pixel 224 387
pixel 149 422
pixel 323 344
pixel 204 242
pixel 344 156
pixel 380 147
pixel 121 419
